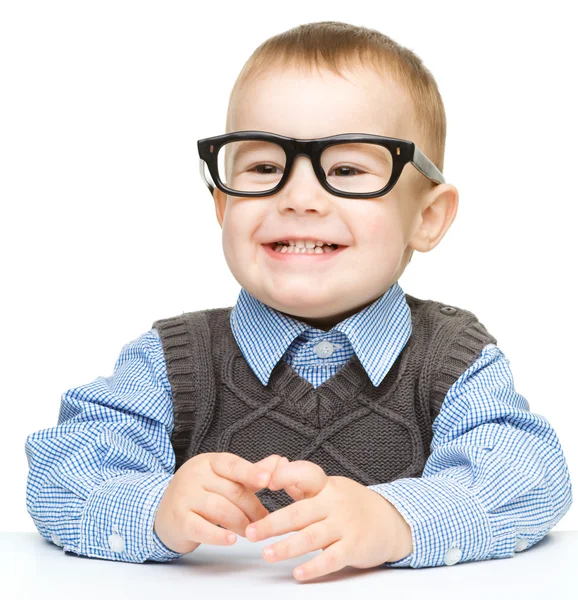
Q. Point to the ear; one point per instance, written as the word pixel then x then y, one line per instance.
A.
pixel 220 205
pixel 438 209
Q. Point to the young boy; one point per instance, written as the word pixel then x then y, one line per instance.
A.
pixel 387 427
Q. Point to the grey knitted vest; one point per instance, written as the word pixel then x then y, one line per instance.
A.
pixel 346 425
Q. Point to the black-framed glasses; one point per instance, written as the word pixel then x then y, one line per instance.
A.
pixel 349 165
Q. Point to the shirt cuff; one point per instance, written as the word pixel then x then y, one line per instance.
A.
pixel 448 524
pixel 118 519
pixel 160 552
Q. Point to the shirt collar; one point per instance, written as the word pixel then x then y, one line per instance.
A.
pixel 377 333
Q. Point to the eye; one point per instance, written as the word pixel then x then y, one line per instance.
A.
pixel 263 169
pixel 348 170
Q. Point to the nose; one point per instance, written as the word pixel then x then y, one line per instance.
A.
pixel 302 169
pixel 302 190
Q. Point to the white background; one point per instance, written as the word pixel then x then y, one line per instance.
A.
pixel 107 226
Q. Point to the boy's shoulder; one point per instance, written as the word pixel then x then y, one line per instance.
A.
pixel 436 307
pixel 436 316
pixel 193 317
pixel 451 337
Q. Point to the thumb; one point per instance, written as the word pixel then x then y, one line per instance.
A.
pixel 267 464
pixel 291 490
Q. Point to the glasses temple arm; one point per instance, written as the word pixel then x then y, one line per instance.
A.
pixel 423 164
pixel 208 183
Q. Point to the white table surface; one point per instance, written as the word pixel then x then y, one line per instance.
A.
pixel 32 568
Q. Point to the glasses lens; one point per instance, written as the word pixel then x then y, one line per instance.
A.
pixel 358 167
pixel 251 165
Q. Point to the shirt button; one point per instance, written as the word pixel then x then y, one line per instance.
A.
pixel 453 556
pixel 116 543
pixel 323 349
pixel 448 310
pixel 521 544
pixel 56 539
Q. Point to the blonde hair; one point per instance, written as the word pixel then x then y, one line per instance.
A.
pixel 335 45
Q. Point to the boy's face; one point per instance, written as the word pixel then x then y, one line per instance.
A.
pixel 379 232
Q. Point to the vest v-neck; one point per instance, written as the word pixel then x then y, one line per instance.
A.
pixel 318 406
pixel 347 379
pixel 285 381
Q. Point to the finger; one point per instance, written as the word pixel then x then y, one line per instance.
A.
pixel 241 495
pixel 311 538
pixel 308 477
pixel 236 468
pixel 267 464
pixel 238 495
pixel 293 491
pixel 198 529
pixel 334 558
pixel 294 517
pixel 220 511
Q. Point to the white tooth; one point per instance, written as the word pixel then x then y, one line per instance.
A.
pixel 319 243
pixel 283 249
pixel 318 250
pixel 309 244
pixel 300 243
pixel 292 242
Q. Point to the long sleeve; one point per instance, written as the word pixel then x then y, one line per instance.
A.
pixel 96 479
pixel 496 480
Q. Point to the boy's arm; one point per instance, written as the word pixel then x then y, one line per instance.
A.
pixel 496 480
pixel 95 480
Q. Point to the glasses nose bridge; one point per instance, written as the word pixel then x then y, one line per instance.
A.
pixel 304 148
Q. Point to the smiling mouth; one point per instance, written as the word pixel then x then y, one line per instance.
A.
pixel 319 254
pixel 293 249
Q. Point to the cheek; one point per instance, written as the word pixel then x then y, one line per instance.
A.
pixel 234 224
pixel 230 236
pixel 239 226
pixel 375 228
pixel 383 230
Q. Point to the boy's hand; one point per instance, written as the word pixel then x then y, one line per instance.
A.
pixel 352 524
pixel 210 496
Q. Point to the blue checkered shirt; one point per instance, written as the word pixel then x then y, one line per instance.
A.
pixel 495 483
